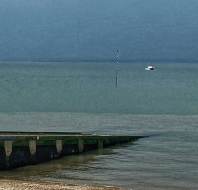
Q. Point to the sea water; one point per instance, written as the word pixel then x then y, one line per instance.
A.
pixel 162 104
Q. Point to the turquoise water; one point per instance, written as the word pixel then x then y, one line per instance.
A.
pixel 89 87
pixel 83 97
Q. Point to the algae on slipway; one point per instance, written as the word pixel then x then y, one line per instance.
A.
pixel 26 148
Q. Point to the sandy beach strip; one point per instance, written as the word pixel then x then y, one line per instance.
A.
pixel 29 185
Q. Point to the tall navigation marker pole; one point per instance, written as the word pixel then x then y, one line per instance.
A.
pixel 117 64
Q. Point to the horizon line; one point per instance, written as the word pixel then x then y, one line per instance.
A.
pixel 98 60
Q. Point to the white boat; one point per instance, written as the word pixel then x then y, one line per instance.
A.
pixel 150 68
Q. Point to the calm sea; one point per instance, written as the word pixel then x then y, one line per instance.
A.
pixel 82 97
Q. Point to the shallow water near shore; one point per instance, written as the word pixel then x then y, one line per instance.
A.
pixel 82 97
pixel 166 159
